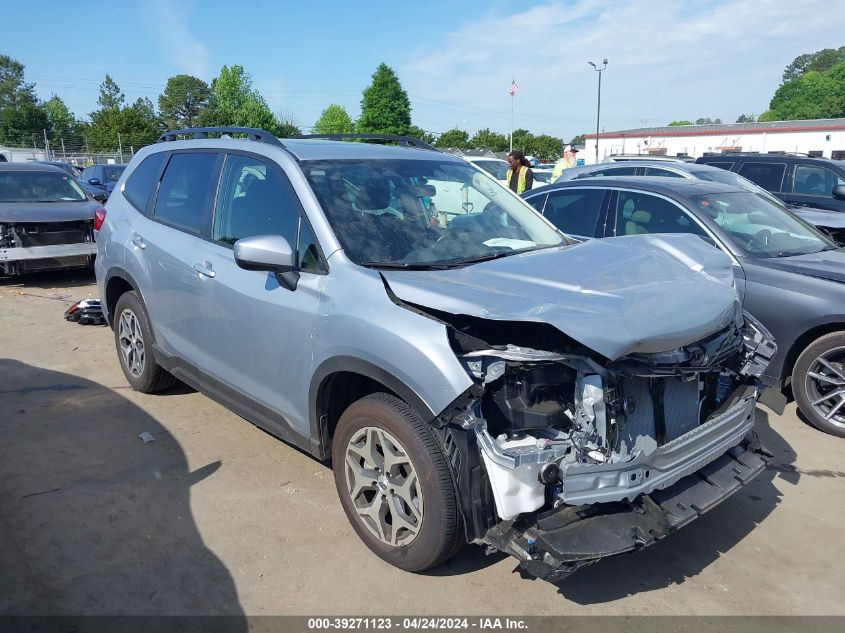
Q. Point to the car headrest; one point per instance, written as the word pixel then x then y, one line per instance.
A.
pixel 373 195
pixel 640 216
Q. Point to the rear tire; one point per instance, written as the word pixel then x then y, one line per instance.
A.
pixel 818 383
pixel 395 485
pixel 133 339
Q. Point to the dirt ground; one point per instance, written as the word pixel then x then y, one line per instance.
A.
pixel 216 516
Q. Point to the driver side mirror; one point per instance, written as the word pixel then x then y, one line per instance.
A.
pixel 271 253
pixel 708 239
pixel 95 181
pixel 100 196
pixel 839 192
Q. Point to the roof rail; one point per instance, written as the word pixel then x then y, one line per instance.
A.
pixel 405 141
pixel 254 134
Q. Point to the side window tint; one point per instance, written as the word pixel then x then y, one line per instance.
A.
pixel 575 211
pixel 768 175
pixel 814 180
pixel 186 191
pixel 308 255
pixel 663 173
pixel 142 183
pixel 538 202
pixel 254 200
pixel 640 214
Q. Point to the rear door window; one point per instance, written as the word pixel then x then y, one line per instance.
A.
pixel 575 211
pixel 658 171
pixel 142 183
pixel 187 191
pixel 611 171
pixel 815 180
pixel 642 214
pixel 768 175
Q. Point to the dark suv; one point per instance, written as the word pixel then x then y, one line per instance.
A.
pixel 798 180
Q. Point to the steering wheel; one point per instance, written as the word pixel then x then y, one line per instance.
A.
pixel 760 238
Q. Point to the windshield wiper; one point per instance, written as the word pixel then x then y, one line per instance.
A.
pixel 408 265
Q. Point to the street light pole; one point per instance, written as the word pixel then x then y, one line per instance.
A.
pixel 598 104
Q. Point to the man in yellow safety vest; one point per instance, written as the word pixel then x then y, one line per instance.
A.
pixel 520 177
pixel 569 160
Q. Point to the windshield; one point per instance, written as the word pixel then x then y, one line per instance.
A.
pixel 496 168
pixel 759 228
pixel 112 173
pixel 730 178
pixel 424 213
pixel 39 186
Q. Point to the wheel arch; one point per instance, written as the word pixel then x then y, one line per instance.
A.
pixel 341 380
pixel 801 343
pixel 118 282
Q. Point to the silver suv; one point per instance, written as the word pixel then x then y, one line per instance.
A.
pixel 473 374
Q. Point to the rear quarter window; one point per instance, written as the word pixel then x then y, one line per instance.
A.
pixel 187 191
pixel 142 183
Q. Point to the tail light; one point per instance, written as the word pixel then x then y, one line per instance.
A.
pixel 99 218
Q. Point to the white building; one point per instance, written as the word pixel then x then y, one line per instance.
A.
pixel 21 154
pixel 816 137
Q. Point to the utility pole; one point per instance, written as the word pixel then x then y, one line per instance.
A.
pixel 46 145
pixel 64 155
pixel 598 103
pixel 120 146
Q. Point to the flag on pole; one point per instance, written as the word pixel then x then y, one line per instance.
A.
pixel 513 89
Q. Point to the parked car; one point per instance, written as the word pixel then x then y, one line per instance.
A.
pixel 542 177
pixel 46 220
pixel 101 178
pixel 789 274
pixel 651 157
pixel 798 180
pixel 72 170
pixel 496 167
pixel 483 379
pixel 832 222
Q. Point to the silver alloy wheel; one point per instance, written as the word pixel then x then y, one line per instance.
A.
pixel 825 386
pixel 384 486
pixel 131 343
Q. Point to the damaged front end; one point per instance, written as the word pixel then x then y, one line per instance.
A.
pixel 563 457
pixel 36 246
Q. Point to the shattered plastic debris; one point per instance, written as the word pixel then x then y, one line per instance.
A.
pixel 147 437
pixel 86 312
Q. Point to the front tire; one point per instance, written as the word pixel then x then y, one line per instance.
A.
pixel 133 338
pixel 395 485
pixel 818 383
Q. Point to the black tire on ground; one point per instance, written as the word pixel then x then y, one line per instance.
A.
pixel 803 365
pixel 441 532
pixel 153 377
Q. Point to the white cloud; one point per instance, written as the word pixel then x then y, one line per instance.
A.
pixel 171 30
pixel 668 60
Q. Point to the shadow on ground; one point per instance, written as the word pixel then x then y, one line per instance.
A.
pixel 94 521
pixel 49 280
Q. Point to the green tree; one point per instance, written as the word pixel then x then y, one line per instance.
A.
pixel 814 95
pixel 487 139
pixel 707 121
pixel 62 122
pixel 334 120
pixel 110 95
pixel 820 61
pixel 546 147
pixel 183 101
pixel 578 140
pixel 523 140
pixel 418 132
pixel 235 102
pixel 453 138
pixel 130 127
pixel 681 122
pixel 746 118
pixel 385 107
pixel 14 91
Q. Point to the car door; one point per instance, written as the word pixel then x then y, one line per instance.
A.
pixel 257 332
pixel 166 245
pixel 769 175
pixel 645 213
pixel 577 211
pixel 812 186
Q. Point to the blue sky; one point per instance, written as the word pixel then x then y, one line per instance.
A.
pixel 669 59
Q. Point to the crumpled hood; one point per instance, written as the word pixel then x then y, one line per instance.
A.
pixel 825 265
pixel 644 293
pixel 47 211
